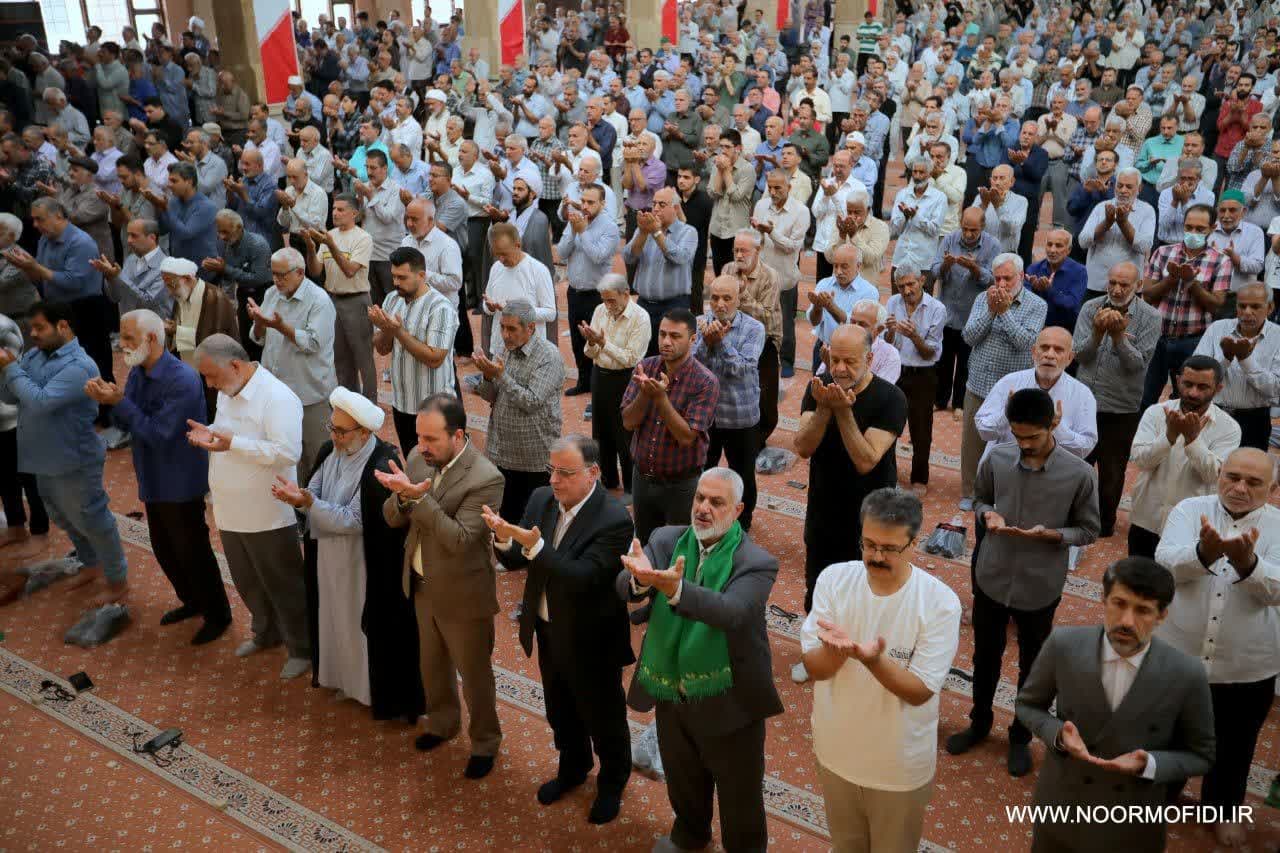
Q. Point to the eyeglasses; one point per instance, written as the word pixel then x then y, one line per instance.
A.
pixel 563 473
pixel 869 547
pixel 337 430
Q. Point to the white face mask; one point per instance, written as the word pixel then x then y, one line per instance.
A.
pixel 134 357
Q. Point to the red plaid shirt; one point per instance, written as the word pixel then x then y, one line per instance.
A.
pixel 694 392
pixel 1180 314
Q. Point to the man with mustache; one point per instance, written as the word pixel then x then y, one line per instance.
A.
pixel 1098 753
pixel 879 641
pixel 705 665
pixel 1115 337
pixel 1178 450
pixel 1122 229
pixel 1047 501
pixel 849 423
pixel 1223 553
pixel 1248 346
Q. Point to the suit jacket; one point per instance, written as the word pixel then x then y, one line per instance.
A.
pixel 738 610
pixel 588 621
pixel 457 555
pixel 1166 712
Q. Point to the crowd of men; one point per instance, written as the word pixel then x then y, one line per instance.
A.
pixel 1089 218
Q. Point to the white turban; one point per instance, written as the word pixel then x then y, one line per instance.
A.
pixel 295 80
pixel 534 181
pixel 179 266
pixel 196 23
pixel 364 412
pixel 435 95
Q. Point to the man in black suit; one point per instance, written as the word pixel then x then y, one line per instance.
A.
pixel 1133 717
pixel 582 631
pixel 696 205
pixel 705 665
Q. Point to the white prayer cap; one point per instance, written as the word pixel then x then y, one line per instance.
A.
pixel 179 266
pixel 295 80
pixel 436 95
pixel 363 411
pixel 195 23
pixel 534 182
pixel 857 137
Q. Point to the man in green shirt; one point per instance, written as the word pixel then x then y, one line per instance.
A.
pixel 868 31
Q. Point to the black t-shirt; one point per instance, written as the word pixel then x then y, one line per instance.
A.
pixel 836 489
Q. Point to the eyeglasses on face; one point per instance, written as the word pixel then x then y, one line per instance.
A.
pixel 869 547
pixel 337 430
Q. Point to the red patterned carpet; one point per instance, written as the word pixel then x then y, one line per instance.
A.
pixel 270 764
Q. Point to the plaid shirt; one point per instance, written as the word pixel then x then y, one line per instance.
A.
pixel 1001 343
pixel 525 419
pixel 550 183
pixel 693 392
pixel 1081 139
pixel 1180 315
pixel 735 362
pixel 344 137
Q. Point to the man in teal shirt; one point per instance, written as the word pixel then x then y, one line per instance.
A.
pixel 1156 151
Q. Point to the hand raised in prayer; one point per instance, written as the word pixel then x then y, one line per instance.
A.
pixel 589 334
pixel 214 441
pixel 653 387
pixel 1131 763
pixel 1040 283
pixel 398 482
pixel 666 581
pixel 831 396
pixel 382 320
pixel 405 196
pixel 491 369
pixel 1070 742
pixel 1039 532
pixel 504 530
pixel 289 492
pixel 836 639
pixel 260 317
pixel 105 265
pixel 109 199
pixel 214 265
pixel 995 522
pixel 101 391
pixel 158 200
pixel 7 357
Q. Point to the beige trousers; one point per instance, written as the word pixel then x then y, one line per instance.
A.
pixel 971 444
pixel 868 820
pixel 448 648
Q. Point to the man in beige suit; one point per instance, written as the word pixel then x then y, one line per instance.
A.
pixel 448 565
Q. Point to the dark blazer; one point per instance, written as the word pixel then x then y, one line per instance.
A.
pixel 1166 712
pixel 738 610
pixel 588 621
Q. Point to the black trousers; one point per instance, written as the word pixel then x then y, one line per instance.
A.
pixel 1111 455
pixel 551 207
pixel 822 268
pixel 473 276
pixel 520 485
pixel 919 384
pixel 769 378
pixel 582 304
pixel 629 231
pixel 463 339
pixel 656 503
pixel 13 485
pixel 244 293
pixel 990 620
pixel 587 709
pixel 698 767
pixel 406 425
pixel 1255 427
pixel 976 176
pixel 1239 711
pixel 379 281
pixel 92 320
pixel 835 539
pixel 953 369
pixel 877 192
pixel 698 276
pixel 721 254
pixel 180 540
pixel 607 388
pixel 1142 542
pixel 739 447
pixel 787 300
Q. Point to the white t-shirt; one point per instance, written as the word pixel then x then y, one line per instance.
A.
pixel 861 731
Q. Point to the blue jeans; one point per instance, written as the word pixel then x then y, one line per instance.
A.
pixel 77 503
pixel 1165 365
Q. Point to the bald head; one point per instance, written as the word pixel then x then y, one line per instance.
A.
pixel 1246 480
pixel 1051 354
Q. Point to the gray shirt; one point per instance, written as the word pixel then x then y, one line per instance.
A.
pixel 960 287
pixel 210 173
pixel 664 274
pixel 384 220
pixel 139 285
pixel 525 420
pixel 1115 374
pixel 1023 573
pixel 305 364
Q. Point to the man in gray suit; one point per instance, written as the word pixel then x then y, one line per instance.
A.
pixel 1134 717
pixel 448 569
pixel 705 665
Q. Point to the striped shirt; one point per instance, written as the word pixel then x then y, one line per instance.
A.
pixel 525 419
pixel 1001 342
pixel 735 362
pixel 433 320
pixel 929 317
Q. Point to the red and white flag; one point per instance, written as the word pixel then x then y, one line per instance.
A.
pixel 511 29
pixel 275 41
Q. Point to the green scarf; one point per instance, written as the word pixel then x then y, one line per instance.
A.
pixel 683 658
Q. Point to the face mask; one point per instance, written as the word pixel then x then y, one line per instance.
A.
pixel 1194 242
pixel 134 357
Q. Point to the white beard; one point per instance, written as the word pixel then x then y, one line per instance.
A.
pixel 713 532
pixel 134 357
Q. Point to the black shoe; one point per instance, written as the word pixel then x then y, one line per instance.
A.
pixel 962 742
pixel 1019 759
pixel 552 791
pixel 1106 533
pixel 427 742
pixel 478 766
pixel 179 614
pixel 604 809
pixel 209 632
pixel 573 392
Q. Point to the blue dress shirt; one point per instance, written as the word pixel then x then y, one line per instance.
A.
pixel 1066 292
pixel 156 407
pixel 192 233
pixel 67 257
pixel 55 416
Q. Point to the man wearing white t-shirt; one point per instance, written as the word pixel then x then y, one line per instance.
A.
pixel 516 275
pixel 879 640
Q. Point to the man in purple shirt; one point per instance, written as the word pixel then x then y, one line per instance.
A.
pixel 642 175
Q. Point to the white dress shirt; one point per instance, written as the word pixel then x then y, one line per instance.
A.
pixel 310 208
pixel 1250 244
pixel 1118 674
pixel 780 248
pixel 626 337
pixel 265 421
pixel 1113 248
pixel 529 280
pixel 1250 383
pixel 1076 432
pixel 444 261
pixel 1005 222
pixel 1168 473
pixel 478 181
pixel 272 161
pixel 1232 625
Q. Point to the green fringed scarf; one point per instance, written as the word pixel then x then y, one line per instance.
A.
pixel 682 658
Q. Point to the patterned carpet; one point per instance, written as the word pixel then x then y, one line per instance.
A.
pixel 270 765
